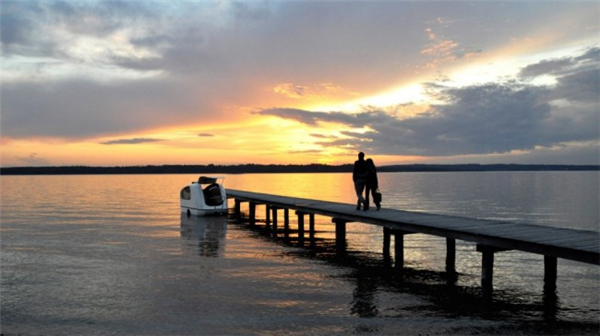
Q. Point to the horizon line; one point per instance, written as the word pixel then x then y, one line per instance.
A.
pixel 249 168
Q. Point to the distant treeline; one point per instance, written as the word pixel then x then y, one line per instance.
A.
pixel 484 167
pixel 256 168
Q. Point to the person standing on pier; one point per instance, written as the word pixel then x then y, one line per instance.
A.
pixel 372 186
pixel 359 176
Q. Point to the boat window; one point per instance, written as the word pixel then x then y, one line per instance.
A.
pixel 212 195
pixel 186 194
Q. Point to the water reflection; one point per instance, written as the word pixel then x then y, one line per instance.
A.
pixel 551 304
pixel 206 234
pixel 373 278
pixel 364 302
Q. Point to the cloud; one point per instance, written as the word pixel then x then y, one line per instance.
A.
pixel 313 118
pixel 577 77
pixel 69 33
pixel 481 119
pixel 311 92
pixel 546 67
pixel 75 70
pixel 305 117
pixel 204 135
pixel 443 50
pixel 582 87
pixel 323 136
pixel 133 141
pixel 291 90
pixel 563 66
pixel 81 109
pixel 492 118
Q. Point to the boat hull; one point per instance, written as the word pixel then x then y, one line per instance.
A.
pixel 204 212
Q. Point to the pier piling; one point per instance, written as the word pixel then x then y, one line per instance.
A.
pixel 268 215
pixel 386 245
pixel 311 228
pixel 399 250
pixel 487 268
pixel 451 260
pixel 300 227
pixel 550 273
pixel 340 234
pixel 274 226
pixel 252 214
pixel 286 224
pixel 237 209
pixel 491 236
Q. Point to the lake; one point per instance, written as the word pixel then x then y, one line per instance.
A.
pixel 112 255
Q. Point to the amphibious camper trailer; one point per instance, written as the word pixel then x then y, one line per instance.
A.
pixel 205 197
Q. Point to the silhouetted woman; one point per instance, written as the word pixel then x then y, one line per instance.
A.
pixel 359 176
pixel 372 185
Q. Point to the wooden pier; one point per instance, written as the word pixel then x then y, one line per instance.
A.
pixel 490 236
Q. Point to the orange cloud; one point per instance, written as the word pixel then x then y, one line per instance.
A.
pixel 318 91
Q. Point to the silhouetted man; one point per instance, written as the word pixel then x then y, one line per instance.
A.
pixel 359 176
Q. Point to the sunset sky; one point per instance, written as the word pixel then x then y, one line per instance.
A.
pixel 231 82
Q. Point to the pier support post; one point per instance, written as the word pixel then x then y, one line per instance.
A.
pixel 550 272
pixel 300 227
pixel 487 269
pixel 238 210
pixel 274 227
pixel 286 224
pixel 340 234
pixel 399 249
pixel 550 296
pixel 487 273
pixel 386 246
pixel 267 215
pixel 252 215
pixel 451 260
pixel 311 228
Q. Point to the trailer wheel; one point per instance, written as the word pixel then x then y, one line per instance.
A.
pixel 189 213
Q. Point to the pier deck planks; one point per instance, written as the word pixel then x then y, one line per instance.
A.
pixel 579 245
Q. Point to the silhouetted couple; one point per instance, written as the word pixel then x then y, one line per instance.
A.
pixel 364 176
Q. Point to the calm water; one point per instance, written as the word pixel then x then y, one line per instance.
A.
pixel 111 255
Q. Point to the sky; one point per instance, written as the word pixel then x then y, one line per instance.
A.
pixel 117 83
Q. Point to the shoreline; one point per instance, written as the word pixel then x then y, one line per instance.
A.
pixel 271 169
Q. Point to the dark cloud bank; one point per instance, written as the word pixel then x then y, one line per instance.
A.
pixel 492 118
pixel 133 141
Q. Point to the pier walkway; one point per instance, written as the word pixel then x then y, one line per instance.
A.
pixel 491 236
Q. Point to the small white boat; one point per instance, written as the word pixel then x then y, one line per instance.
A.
pixel 205 197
